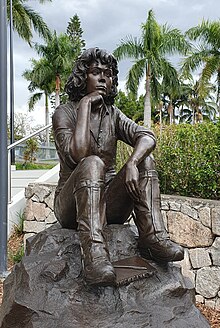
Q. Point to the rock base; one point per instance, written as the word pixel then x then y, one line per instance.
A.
pixel 46 289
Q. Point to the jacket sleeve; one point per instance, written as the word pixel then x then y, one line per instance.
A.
pixel 63 126
pixel 128 131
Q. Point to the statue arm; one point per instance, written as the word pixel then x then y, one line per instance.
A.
pixel 80 141
pixel 143 147
pixel 80 145
pixel 142 140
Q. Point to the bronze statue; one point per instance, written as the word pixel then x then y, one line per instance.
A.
pixel 90 194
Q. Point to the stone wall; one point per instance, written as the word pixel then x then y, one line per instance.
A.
pixel 193 223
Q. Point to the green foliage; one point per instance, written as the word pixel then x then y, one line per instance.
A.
pixel 25 20
pixel 18 229
pixel 188 160
pixel 17 256
pixel 31 149
pixel 130 106
pixel 75 32
pixel 34 166
pixel 16 249
pixel 150 53
pixel 123 153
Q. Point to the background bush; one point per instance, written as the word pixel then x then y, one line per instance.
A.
pixel 187 158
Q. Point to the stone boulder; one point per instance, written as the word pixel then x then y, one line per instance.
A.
pixel 46 289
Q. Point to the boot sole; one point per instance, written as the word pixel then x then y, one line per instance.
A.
pixel 146 253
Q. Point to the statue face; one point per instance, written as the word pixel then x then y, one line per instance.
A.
pixel 99 78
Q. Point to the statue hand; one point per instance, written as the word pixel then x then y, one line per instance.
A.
pixel 131 180
pixel 95 99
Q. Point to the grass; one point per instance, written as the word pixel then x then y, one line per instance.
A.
pixel 15 243
pixel 34 166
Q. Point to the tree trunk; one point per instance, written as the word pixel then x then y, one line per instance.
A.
pixel 46 123
pixel 193 116
pixel 57 98
pixel 218 92
pixel 147 102
pixel 160 110
pixel 170 112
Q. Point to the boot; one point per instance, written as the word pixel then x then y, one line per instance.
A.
pixel 97 268
pixel 153 241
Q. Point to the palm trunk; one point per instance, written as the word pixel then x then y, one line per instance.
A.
pixel 170 112
pixel 57 98
pixel 218 93
pixel 160 110
pixel 147 102
pixel 46 123
pixel 193 116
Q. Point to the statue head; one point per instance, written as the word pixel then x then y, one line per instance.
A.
pixel 76 85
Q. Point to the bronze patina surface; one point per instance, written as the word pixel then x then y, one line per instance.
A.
pixel 131 269
pixel 90 194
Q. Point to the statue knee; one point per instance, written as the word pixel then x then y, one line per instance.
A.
pixel 92 167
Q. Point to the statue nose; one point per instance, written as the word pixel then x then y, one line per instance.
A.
pixel 102 77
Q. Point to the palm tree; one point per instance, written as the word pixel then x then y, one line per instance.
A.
pixel 149 53
pixel 40 78
pixel 25 18
pixel 198 103
pixel 59 55
pixel 206 54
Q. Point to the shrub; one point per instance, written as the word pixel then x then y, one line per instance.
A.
pixel 31 150
pixel 188 160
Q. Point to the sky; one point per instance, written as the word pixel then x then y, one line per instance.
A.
pixel 105 23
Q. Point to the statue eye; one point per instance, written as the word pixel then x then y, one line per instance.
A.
pixel 108 73
pixel 95 71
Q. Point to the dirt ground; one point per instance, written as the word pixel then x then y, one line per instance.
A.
pixel 15 243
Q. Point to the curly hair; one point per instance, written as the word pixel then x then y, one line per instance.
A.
pixel 77 82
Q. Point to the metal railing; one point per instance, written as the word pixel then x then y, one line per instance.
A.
pixel 16 143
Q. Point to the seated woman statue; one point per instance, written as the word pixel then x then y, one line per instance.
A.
pixel 90 194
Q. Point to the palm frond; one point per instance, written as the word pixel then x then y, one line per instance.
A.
pixel 135 74
pixel 24 18
pixel 129 48
pixel 34 99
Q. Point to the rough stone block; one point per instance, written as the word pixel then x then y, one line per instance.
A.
pixel 189 211
pixel 188 232
pixel 199 258
pixel 40 211
pixel 205 216
pixel 208 282
pixel 215 251
pixel 34 226
pixel 175 206
pixel 200 299
pixel 164 205
pixel 49 200
pixel 216 220
pixel 51 218
pixel 28 211
pixel 41 191
pixel 164 216
pixel 217 304
pixel 47 289
pixel 29 190
pixel 210 303
pixel 186 267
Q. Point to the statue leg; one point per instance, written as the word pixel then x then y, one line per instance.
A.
pixel 153 238
pixel 81 205
pixel 90 208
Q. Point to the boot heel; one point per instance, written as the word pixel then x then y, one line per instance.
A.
pixel 144 252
